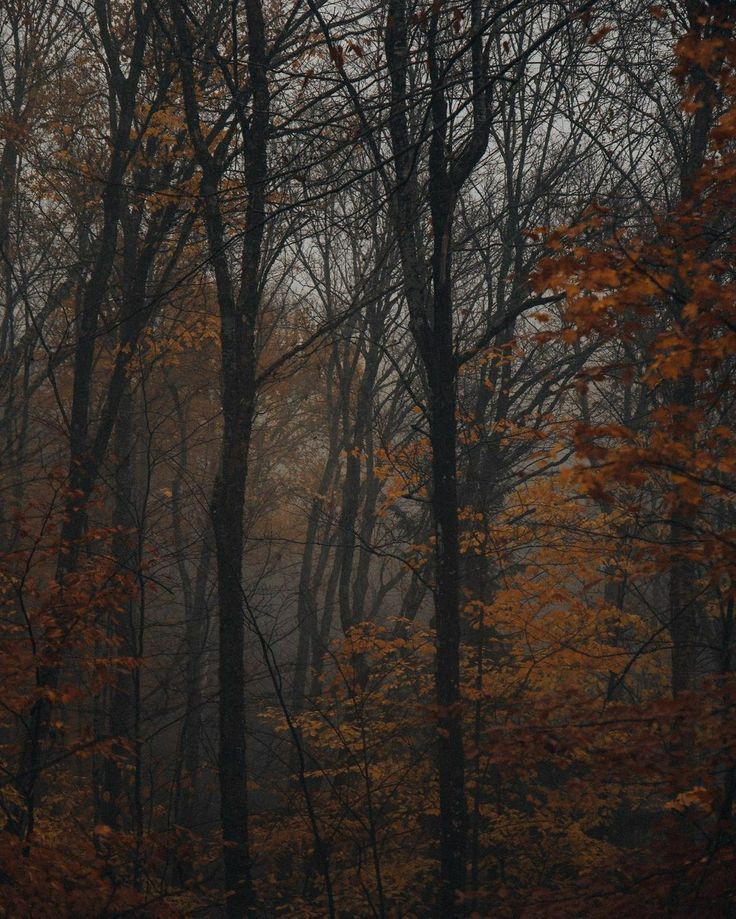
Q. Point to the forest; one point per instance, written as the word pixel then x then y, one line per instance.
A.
pixel 367 459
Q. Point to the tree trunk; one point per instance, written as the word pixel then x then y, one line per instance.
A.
pixel 450 755
pixel 238 318
pixel 121 691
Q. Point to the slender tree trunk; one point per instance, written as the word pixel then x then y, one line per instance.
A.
pixel 238 318
pixel 195 632
pixel 450 755
pixel 307 599
pixel 323 628
pixel 431 317
pixel 683 575
pixel 121 715
pixel 705 20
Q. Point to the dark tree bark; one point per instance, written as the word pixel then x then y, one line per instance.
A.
pixel 238 318
pixel 430 303
pixel 705 20
pixel 355 441
pixel 196 627
pixel 306 611
pixel 82 472
pixel 120 703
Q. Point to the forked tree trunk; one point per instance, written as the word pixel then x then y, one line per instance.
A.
pixel 238 319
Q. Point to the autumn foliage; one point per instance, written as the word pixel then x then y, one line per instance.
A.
pixel 234 352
